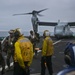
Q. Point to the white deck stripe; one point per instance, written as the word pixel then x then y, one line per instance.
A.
pixel 57 42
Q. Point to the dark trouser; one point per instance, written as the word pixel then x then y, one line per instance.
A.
pixel 18 70
pixel 3 69
pixel 48 65
pixel 35 52
pixel 2 63
pixel 9 55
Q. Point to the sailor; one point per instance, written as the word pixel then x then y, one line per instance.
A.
pixel 2 61
pixel 69 54
pixel 34 38
pixel 69 57
pixel 9 47
pixel 37 39
pixel 47 52
pixel 23 54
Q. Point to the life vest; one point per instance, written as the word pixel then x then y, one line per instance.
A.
pixel 26 49
pixel 47 48
pixel 8 44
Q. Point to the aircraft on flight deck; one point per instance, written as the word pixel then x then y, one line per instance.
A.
pixel 34 18
pixel 61 29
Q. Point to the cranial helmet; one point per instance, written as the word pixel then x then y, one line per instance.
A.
pixel 31 31
pixel 17 32
pixel 46 33
pixel 11 32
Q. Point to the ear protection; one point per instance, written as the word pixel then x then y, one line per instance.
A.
pixel 46 33
pixel 17 33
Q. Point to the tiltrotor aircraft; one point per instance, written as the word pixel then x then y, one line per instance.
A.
pixel 34 18
pixel 62 29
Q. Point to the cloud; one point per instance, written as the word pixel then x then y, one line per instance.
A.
pixel 57 9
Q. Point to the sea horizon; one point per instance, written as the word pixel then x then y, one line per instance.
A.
pixel 25 33
pixel 4 33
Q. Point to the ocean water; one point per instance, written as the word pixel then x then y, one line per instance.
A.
pixel 5 33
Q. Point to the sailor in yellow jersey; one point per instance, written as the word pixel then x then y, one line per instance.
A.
pixel 47 52
pixel 23 54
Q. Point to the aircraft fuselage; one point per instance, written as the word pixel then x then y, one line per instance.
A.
pixel 62 30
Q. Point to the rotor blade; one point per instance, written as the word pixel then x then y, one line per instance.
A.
pixel 42 10
pixel 21 14
pixel 29 13
pixel 40 15
pixel 18 14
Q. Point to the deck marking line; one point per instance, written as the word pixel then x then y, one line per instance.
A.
pixel 57 42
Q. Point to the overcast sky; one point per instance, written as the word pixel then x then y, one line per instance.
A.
pixel 57 9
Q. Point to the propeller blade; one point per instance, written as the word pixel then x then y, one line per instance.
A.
pixel 29 13
pixel 21 14
pixel 40 15
pixel 18 14
pixel 32 12
pixel 42 10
